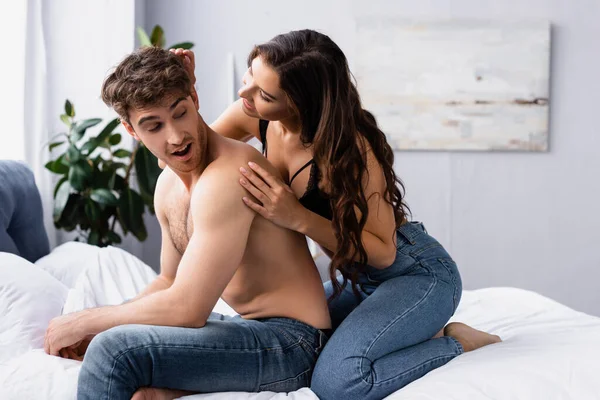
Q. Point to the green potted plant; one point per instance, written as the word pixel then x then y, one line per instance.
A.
pixel 103 184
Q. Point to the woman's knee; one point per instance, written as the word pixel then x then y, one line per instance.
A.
pixel 341 376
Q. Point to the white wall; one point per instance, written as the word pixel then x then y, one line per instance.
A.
pixel 83 41
pixel 524 220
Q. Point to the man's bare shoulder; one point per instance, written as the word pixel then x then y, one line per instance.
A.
pixel 241 155
pixel 219 181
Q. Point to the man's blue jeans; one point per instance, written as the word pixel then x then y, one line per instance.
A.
pixel 383 339
pixel 227 354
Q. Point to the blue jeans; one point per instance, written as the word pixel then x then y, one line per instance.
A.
pixel 383 339
pixel 227 354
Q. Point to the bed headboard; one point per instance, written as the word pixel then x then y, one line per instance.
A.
pixel 22 229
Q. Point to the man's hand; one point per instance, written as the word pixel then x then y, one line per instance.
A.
pixel 66 335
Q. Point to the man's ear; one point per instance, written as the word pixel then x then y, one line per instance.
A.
pixel 129 129
pixel 194 95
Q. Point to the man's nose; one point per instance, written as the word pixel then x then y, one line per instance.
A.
pixel 176 136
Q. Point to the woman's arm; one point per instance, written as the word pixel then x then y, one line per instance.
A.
pixel 235 124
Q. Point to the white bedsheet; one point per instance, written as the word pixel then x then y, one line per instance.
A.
pixel 549 350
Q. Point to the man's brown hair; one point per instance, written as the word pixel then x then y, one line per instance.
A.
pixel 143 79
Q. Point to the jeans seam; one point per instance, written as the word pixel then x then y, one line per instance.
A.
pixel 410 371
pixel 308 346
pixel 262 386
pixel 453 277
pixel 110 377
pixel 387 327
pixel 420 251
pixel 296 344
pixel 285 334
pixel 459 346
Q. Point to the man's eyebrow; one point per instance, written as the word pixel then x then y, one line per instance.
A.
pixel 151 117
pixel 148 118
pixel 176 102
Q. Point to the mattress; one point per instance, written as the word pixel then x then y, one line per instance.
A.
pixel 549 351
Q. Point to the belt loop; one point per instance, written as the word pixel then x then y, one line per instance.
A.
pixel 402 230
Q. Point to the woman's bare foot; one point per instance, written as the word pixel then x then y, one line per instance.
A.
pixel 470 338
pixel 439 334
pixel 159 394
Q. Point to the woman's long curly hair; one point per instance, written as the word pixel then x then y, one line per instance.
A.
pixel 314 73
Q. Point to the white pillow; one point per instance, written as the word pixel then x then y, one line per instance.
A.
pixel 111 276
pixel 67 261
pixel 29 299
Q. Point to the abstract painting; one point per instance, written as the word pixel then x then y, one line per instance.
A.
pixel 456 84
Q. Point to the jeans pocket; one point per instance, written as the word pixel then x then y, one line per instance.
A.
pixel 290 384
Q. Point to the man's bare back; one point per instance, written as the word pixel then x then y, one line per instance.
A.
pixel 276 276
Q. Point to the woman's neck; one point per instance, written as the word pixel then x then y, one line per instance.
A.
pixel 290 126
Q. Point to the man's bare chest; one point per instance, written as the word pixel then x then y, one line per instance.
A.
pixel 181 226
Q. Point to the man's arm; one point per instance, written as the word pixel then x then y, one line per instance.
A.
pixel 169 256
pixel 221 227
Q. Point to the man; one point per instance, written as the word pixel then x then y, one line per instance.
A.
pixel 213 246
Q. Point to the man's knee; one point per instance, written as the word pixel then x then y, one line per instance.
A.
pixel 110 344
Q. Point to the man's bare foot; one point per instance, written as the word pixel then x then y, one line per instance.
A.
pixel 439 334
pixel 147 393
pixel 470 338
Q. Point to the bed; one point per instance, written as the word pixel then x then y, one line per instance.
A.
pixel 549 350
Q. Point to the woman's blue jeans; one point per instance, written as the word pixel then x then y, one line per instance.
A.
pixel 383 340
pixel 227 354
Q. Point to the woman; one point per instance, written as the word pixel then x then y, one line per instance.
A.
pixel 398 286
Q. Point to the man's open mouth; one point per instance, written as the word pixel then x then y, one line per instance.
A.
pixel 184 151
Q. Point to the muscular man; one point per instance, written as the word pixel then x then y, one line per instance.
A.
pixel 213 246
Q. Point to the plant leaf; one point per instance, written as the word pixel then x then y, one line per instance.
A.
pixel 54 145
pixel 61 196
pixel 80 174
pixel 143 37
pixel 70 216
pixel 113 237
pixel 80 128
pixel 122 153
pixel 57 167
pixel 66 120
pixel 105 133
pixel 147 171
pixel 131 210
pixel 182 45
pixel 63 160
pixel 58 185
pixel 69 109
pixel 94 238
pixel 73 154
pixel 104 196
pixel 89 146
pixel 92 211
pixel 114 139
pixel 157 38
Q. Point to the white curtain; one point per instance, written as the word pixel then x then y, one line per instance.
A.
pixel 12 78
pixel 36 133
pixel 55 50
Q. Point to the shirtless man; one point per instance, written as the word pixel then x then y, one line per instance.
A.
pixel 213 246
